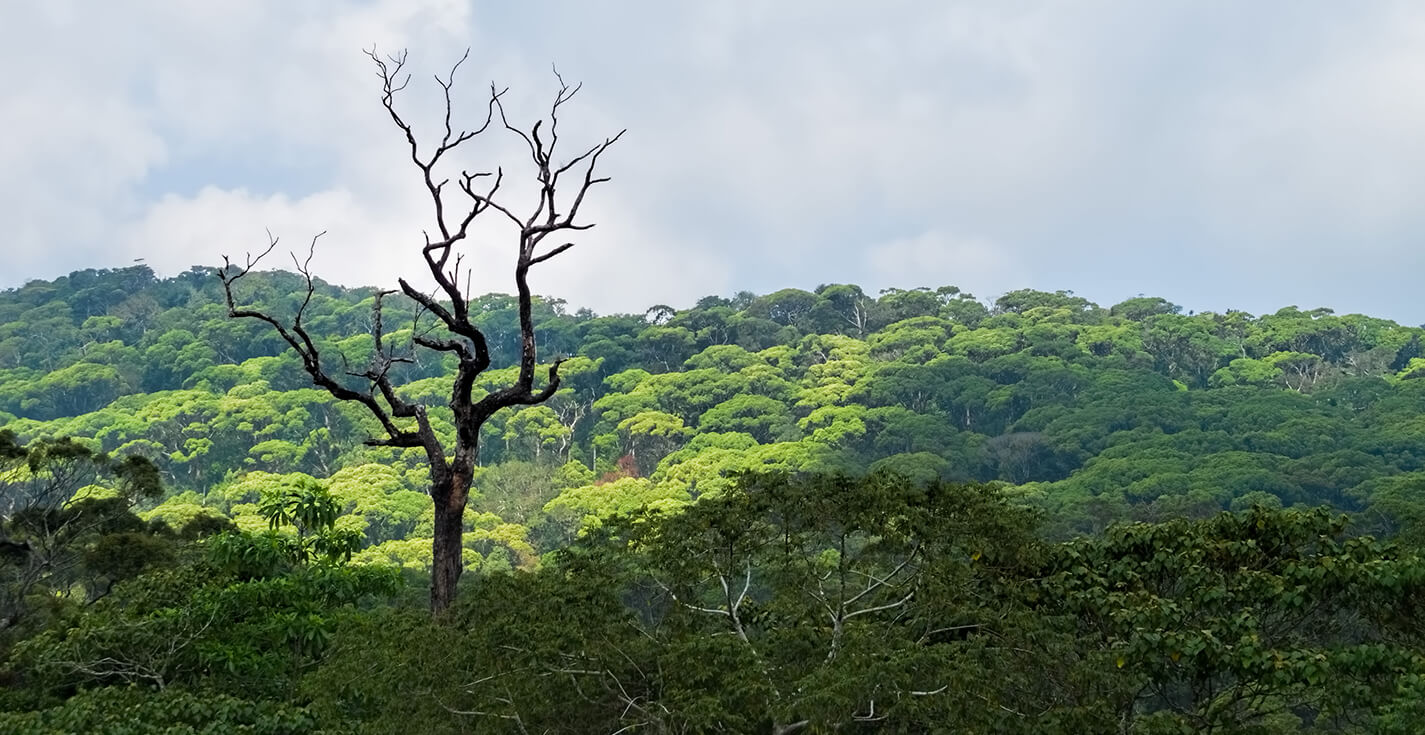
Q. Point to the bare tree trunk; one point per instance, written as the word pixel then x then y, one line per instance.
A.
pixel 450 492
pixel 447 548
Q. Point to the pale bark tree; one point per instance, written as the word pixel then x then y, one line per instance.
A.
pixel 538 233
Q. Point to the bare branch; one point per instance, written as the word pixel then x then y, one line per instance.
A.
pixel 879 608
pixel 551 253
pixel 301 342
pixel 878 582
pixel 452 330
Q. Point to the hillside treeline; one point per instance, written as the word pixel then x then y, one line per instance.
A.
pixel 795 512
pixel 1136 411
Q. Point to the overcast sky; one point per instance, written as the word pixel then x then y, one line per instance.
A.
pixel 1219 154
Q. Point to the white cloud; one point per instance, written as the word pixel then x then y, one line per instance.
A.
pixel 614 267
pixel 1106 146
pixel 935 258
pixel 181 231
pixel 1336 147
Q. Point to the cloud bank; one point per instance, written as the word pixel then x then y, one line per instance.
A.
pixel 1219 155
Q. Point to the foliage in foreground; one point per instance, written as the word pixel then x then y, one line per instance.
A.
pixel 137 711
pixel 789 604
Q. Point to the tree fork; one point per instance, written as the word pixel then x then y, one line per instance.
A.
pixel 404 423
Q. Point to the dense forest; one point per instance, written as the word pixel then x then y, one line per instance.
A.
pixel 915 511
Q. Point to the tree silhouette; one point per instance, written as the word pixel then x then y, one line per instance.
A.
pixel 562 187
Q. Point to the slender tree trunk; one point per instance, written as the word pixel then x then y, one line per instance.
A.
pixel 450 494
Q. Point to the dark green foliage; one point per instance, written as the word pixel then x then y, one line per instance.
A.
pixel 786 604
pixel 1263 621
pixel 199 626
pixel 878 605
pixel 139 711
pixel 67 526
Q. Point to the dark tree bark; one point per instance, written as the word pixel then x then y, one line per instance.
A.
pixel 405 423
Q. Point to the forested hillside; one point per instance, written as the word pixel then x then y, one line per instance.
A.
pixel 1096 414
pixel 261 557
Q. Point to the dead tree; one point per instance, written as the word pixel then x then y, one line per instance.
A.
pixel 539 234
